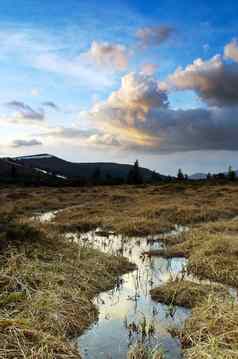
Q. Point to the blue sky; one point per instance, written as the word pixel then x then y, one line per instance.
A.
pixel 93 81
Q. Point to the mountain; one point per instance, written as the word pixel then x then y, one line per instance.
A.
pixel 51 165
pixel 203 176
pixel 198 176
pixel 12 170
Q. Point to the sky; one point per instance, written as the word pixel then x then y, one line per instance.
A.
pixel 119 81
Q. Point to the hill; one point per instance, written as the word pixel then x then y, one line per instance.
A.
pixel 72 170
pixel 12 171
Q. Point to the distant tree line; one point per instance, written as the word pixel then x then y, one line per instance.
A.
pixel 230 175
pixel 134 177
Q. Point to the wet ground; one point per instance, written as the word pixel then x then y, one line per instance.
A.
pixel 126 309
pixel 127 314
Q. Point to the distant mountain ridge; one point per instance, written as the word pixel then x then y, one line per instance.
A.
pixel 198 176
pixel 50 164
pixel 203 176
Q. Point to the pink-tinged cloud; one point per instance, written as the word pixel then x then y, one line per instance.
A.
pixel 231 50
pixel 149 69
pixel 106 54
pixel 154 35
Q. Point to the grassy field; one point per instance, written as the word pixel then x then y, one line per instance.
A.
pixel 132 210
pixel 48 284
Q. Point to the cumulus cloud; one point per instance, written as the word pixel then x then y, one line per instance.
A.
pixel 138 117
pixel 231 50
pixel 118 119
pixel 215 81
pixel 25 112
pixel 138 92
pixel 105 54
pixel 192 130
pixel 149 69
pixel 154 35
pixel 124 113
pixel 26 143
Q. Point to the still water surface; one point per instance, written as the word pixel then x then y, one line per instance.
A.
pixel 130 301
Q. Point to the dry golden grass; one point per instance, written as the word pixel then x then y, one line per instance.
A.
pixel 212 255
pixel 212 330
pixel 139 351
pixel 131 210
pixel 47 289
pixel 186 293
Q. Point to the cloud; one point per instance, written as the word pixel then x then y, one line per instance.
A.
pixel 214 81
pixel 192 130
pixel 51 105
pixel 138 117
pixel 26 143
pixel 76 68
pixel 105 54
pixel 35 92
pixel 231 50
pixel 57 54
pixel 123 114
pixel 138 92
pixel 66 133
pixel 25 112
pixel 149 69
pixel 75 136
pixel 154 35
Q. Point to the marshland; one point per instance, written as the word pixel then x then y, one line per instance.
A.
pixel 119 271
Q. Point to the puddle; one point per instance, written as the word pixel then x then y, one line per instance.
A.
pixel 130 301
pixel 45 217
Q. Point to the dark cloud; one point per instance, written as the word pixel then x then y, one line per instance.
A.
pixel 26 143
pixel 26 112
pixel 191 130
pixel 215 81
pixel 51 105
pixel 162 130
pixel 154 35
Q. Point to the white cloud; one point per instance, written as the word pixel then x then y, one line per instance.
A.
pixel 231 50
pixel 35 92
